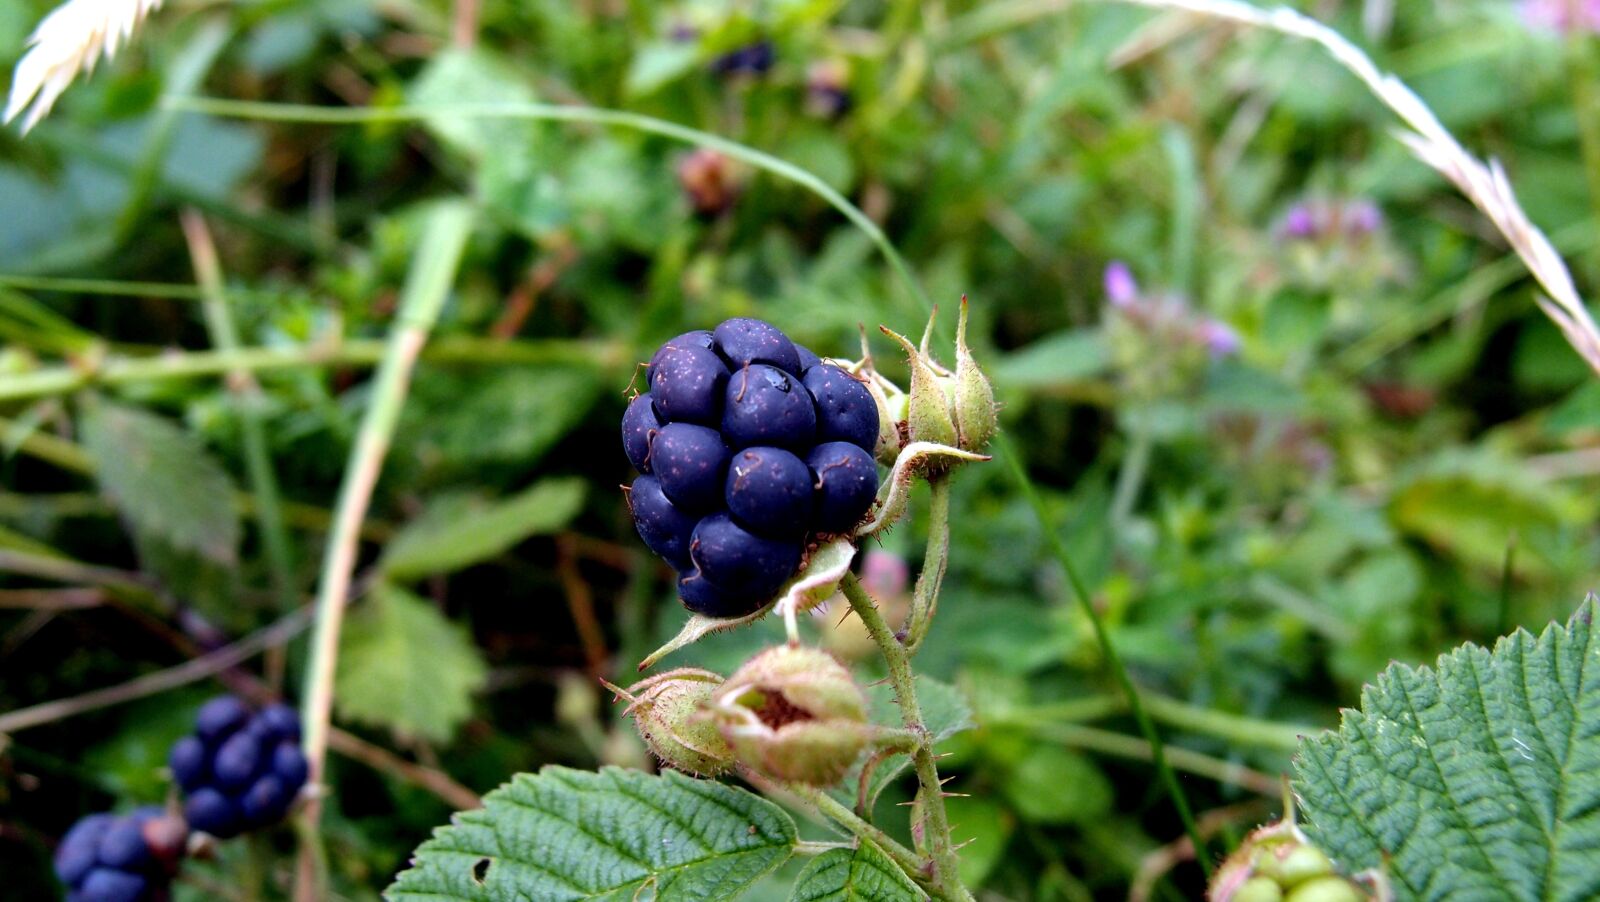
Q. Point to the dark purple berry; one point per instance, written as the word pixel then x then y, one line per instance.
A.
pixel 699 339
pixel 743 341
pixel 702 597
pixel 277 722
pixel 664 528
pixel 751 59
pixel 209 811
pixel 687 384
pixel 80 847
pixel 767 406
pixel 769 492
pixel 190 763
pixel 237 762
pixel 266 801
pixel 122 846
pixel 639 427
pixel 847 484
pixel 112 885
pixel 690 461
pixel 845 409
pixel 739 562
pixel 220 717
pixel 808 358
pixel 289 763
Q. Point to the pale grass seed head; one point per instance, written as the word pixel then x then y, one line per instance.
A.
pixel 71 39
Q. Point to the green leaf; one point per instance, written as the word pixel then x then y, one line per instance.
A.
pixel 618 834
pixel 403 665
pixel 863 874
pixel 162 480
pixel 945 712
pixel 460 530
pixel 1054 785
pixel 1058 359
pixel 1476 779
pixel 512 415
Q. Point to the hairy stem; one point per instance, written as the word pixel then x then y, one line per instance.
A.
pixel 925 597
pixel 830 808
pixel 427 285
pixel 946 866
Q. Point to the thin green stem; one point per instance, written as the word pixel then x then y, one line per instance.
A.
pixel 248 397
pixel 925 597
pixel 1130 479
pixel 359 352
pixel 1235 728
pixel 946 866
pixel 284 112
pixel 816 847
pixel 834 811
pixel 427 286
pixel 1113 660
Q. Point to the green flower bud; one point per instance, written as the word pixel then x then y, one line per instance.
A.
pixel 974 406
pixel 794 714
pixel 1258 889
pixel 1326 889
pixel 928 406
pixel 669 711
pixel 1302 863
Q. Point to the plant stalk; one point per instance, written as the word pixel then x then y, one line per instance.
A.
pixel 427 286
pixel 946 866
pixel 925 597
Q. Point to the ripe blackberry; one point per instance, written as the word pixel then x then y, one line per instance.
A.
pixel 749 446
pixel 127 858
pixel 239 771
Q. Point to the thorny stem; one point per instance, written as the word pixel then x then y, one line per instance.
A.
pixel 925 597
pixel 830 808
pixel 946 866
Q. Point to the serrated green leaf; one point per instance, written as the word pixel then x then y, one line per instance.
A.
pixel 460 530
pixel 162 479
pixel 403 665
pixel 1476 779
pixel 863 874
pixel 945 712
pixel 618 834
pixel 512 415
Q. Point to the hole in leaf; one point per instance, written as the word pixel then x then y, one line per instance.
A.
pixel 480 870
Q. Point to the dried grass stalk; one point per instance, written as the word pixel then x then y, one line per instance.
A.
pixel 71 39
pixel 1485 184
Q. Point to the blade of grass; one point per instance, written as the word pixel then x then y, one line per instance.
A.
pixel 1158 757
pixel 433 272
pixel 248 398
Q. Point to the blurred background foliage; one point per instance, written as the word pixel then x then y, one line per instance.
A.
pixel 1318 424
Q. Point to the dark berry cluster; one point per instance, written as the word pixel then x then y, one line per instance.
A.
pixel 127 858
pixel 239 771
pixel 749 445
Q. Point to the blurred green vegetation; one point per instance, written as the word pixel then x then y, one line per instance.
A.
pixel 1400 453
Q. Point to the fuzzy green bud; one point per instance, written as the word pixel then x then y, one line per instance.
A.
pixel 1302 863
pixel 1326 889
pixel 928 405
pixel 669 711
pixel 973 406
pixel 794 714
pixel 1258 889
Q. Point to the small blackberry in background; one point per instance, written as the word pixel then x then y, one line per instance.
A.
pixel 239 770
pixel 750 447
pixel 126 858
pixel 750 60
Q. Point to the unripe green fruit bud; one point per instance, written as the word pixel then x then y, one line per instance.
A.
pixel 1326 889
pixel 669 711
pixel 1302 864
pixel 928 406
pixel 1258 889
pixel 973 404
pixel 794 714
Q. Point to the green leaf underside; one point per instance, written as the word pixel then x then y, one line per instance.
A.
pixel 162 479
pixel 863 874
pixel 458 531
pixel 404 665
pixel 945 712
pixel 1477 779
pixel 565 834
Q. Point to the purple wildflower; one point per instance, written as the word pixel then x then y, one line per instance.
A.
pixel 1561 16
pixel 1121 289
pixel 1219 338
